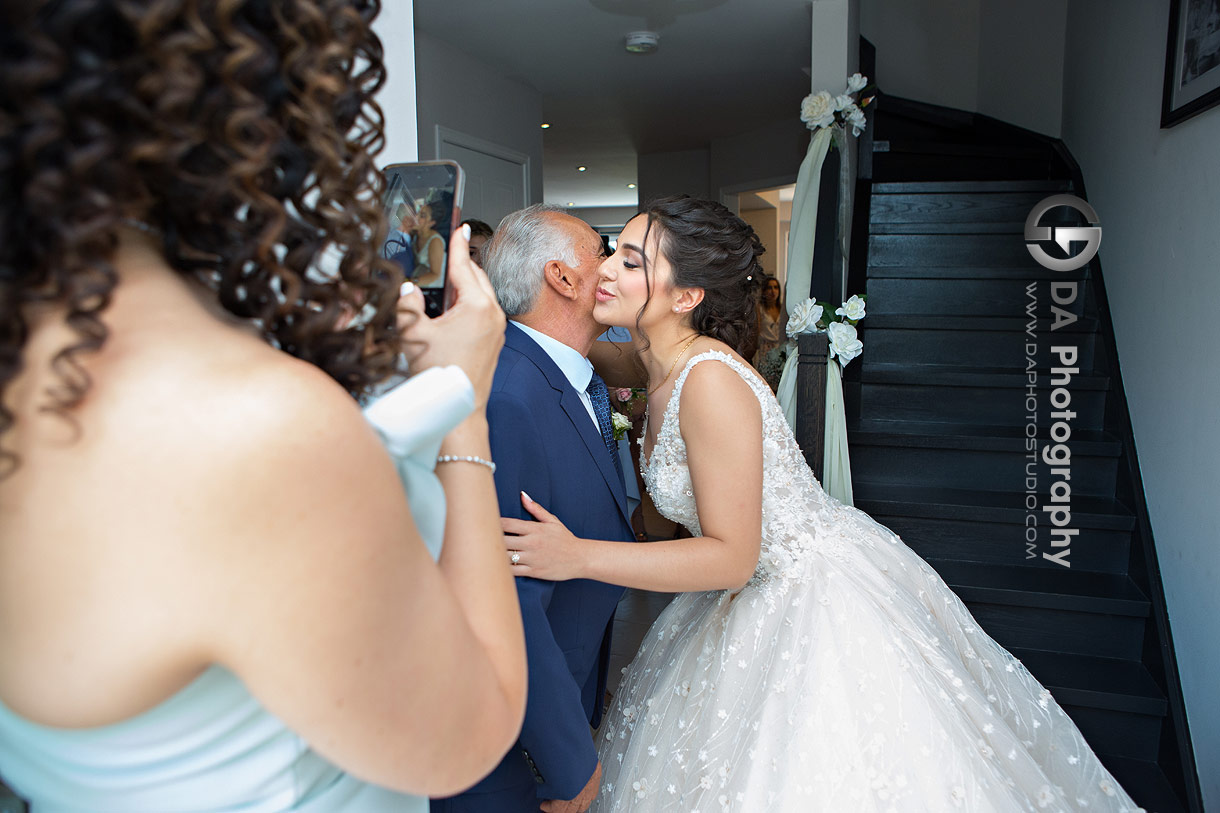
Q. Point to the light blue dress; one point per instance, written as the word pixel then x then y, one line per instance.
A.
pixel 212 747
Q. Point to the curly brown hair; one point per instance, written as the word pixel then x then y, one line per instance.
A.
pixel 242 132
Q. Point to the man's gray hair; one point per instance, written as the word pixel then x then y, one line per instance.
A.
pixel 524 242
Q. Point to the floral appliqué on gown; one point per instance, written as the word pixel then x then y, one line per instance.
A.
pixel 845 677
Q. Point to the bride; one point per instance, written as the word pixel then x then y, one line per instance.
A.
pixel 812 661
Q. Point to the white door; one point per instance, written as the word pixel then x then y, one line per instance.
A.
pixel 497 178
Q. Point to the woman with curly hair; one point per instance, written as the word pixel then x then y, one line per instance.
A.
pixel 214 594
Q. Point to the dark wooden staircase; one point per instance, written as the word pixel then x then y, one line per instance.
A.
pixel 940 437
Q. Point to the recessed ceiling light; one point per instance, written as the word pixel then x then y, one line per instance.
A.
pixel 546 126
pixel 631 186
pixel 581 168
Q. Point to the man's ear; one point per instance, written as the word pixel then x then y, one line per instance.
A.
pixel 687 299
pixel 561 279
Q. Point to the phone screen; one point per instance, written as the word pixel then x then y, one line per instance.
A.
pixel 423 203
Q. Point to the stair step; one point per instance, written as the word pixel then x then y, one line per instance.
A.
pixel 1048 187
pixel 923 227
pixel 1101 513
pixel 1015 151
pixel 992 341
pixel 942 298
pixel 1014 586
pixel 1145 780
pixel 976 250
pixel 1023 271
pixel 1103 683
pixel 982 437
pixel 951 207
pixel 992 396
pixel 953 375
pixel 1005 324
pixel 937 166
pixel 1086 613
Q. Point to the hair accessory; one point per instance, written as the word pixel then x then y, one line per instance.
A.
pixel 681 353
pixel 466 458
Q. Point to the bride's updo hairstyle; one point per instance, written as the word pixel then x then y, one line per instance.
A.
pixel 709 247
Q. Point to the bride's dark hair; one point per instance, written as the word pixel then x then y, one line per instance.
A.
pixel 239 132
pixel 709 247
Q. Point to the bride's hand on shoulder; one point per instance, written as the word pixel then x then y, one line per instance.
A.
pixel 544 549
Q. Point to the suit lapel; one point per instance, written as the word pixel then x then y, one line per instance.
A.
pixel 574 408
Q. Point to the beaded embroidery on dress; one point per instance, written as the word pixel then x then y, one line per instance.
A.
pixel 846 676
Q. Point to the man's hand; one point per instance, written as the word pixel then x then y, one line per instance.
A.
pixel 583 799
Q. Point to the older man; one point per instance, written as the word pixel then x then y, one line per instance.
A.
pixel 549 416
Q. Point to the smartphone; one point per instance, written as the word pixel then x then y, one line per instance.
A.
pixel 423 203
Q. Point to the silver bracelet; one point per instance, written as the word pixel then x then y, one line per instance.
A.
pixel 466 458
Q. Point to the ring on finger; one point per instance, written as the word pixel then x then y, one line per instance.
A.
pixel 515 558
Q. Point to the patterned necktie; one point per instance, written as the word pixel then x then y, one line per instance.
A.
pixel 601 408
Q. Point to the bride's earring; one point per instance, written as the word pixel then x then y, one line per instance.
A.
pixel 677 309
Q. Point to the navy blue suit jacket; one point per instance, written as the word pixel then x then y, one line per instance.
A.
pixel 545 443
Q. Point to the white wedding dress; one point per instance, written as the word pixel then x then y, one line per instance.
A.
pixel 846 676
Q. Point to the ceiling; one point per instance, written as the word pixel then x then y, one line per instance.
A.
pixel 723 67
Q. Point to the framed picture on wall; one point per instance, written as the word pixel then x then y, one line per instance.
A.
pixel 1192 60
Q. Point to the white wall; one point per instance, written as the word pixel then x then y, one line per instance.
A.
pixel 1157 193
pixel 395 25
pixel 1021 62
pixel 926 50
pixel 766 156
pixel 1003 58
pixel 459 92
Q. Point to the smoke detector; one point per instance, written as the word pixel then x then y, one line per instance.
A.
pixel 642 42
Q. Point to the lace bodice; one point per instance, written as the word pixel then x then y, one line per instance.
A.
pixel 790 491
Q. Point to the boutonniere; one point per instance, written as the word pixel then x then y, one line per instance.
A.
pixel 624 401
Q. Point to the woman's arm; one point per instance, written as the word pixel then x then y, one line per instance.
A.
pixel 618 364
pixel 435 249
pixel 721 424
pixel 318 592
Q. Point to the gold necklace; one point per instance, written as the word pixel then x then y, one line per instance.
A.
pixel 681 353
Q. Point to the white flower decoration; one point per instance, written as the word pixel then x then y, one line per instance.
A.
pixel 843 342
pixel 804 318
pixel 817 110
pixel 852 309
pixel 619 424
pixel 842 101
pixel 856 82
pixel 1045 796
pixel 855 117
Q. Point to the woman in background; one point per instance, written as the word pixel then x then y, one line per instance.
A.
pixel 429 248
pixel 772 324
pixel 214 594
pixel 480 233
